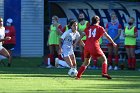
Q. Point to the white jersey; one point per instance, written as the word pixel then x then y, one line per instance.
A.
pixel 68 38
pixel 2 34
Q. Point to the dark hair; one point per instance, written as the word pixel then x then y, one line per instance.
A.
pixel 70 20
pixel 95 19
pixel 71 23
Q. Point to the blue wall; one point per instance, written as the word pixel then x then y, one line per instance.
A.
pixel 12 9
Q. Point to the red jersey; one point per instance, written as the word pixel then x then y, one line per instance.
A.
pixel 10 31
pixel 92 45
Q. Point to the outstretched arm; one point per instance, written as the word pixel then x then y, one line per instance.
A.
pixel 79 40
pixel 110 39
pixel 6 38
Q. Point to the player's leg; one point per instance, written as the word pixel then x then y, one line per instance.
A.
pixel 132 53
pixel 103 59
pixel 110 54
pixel 68 61
pixel 83 67
pixel 73 59
pixel 116 58
pixel 86 62
pixel 57 50
pixel 51 55
pixel 129 57
pixel 5 53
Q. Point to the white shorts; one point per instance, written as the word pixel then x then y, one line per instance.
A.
pixel 67 53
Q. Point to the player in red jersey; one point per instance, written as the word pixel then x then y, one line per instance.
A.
pixel 10 32
pixel 92 46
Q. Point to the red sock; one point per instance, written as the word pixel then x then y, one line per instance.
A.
pixel 110 59
pixel 81 71
pixel 133 62
pixel 104 68
pixel 51 56
pixel 95 62
pixel 116 60
pixel 129 63
pixel 82 56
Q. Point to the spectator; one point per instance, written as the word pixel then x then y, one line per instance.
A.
pixel 3 51
pixel 82 25
pixel 53 40
pixel 10 32
pixel 67 27
pixel 113 28
pixel 130 35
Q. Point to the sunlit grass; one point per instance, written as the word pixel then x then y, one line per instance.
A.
pixel 21 78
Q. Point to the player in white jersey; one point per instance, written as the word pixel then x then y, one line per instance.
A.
pixel 3 51
pixel 66 44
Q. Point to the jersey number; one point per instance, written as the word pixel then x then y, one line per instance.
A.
pixel 92 33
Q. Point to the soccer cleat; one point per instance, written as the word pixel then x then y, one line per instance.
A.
pixel 106 76
pixel 77 78
pixel 115 68
pixel 110 68
pixel 50 66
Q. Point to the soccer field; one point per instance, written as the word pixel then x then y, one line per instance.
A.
pixel 25 77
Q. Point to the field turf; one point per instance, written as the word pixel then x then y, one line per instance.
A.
pixel 26 77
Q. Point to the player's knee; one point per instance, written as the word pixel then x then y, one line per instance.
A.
pixel 103 59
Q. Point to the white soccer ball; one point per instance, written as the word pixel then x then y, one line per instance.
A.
pixel 72 72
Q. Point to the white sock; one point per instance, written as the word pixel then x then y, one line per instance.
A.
pixel 63 63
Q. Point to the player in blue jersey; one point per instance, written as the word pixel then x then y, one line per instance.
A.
pixel 113 28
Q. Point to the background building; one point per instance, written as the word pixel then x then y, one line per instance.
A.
pixel 28 16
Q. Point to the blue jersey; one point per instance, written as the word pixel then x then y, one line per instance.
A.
pixel 113 30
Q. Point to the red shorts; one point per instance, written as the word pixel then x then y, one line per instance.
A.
pixel 130 46
pixel 94 53
pixel 110 44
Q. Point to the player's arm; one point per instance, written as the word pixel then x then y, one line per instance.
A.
pixel 6 38
pixel 59 29
pixel 79 39
pixel 119 32
pixel 110 39
pixel 48 37
pixel 60 45
pixel 61 41
pixel 82 43
pixel 118 35
pixel 106 28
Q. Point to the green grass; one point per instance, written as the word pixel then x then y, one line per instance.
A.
pixel 25 77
